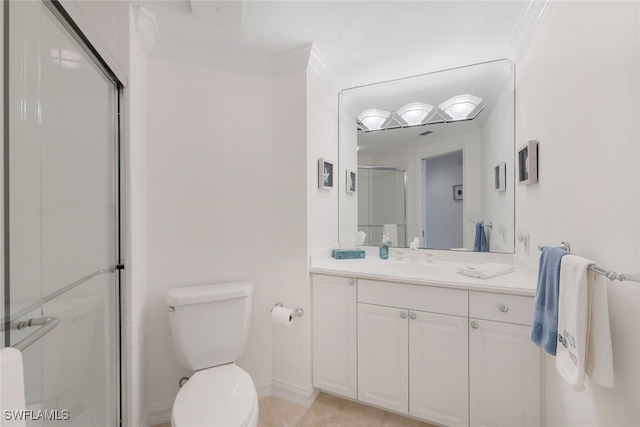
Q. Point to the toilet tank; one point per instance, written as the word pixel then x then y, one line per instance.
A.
pixel 210 323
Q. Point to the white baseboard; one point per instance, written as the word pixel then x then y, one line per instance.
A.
pixel 263 388
pixel 158 414
pixel 301 396
pixel 145 419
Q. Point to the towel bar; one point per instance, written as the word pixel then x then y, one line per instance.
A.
pixel 488 225
pixel 610 274
pixel 46 325
pixel 563 245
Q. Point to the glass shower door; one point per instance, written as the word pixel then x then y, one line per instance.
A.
pixel 382 200
pixel 61 219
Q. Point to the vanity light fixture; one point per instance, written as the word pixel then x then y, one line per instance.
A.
pixel 461 107
pixel 392 122
pixel 415 113
pixel 373 119
pixel 439 116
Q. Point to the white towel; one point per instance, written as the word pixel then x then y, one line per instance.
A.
pixel 392 231
pixel 11 385
pixel 572 320
pixel 583 325
pixel 485 270
pixel 599 348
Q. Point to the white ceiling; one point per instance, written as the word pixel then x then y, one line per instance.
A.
pixel 361 41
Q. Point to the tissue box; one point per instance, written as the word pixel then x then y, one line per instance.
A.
pixel 347 253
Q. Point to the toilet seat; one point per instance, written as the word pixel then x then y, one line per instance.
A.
pixel 220 396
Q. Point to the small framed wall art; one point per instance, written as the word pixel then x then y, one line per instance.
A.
pixel 457 192
pixel 325 174
pixel 351 181
pixel 528 163
pixel 500 177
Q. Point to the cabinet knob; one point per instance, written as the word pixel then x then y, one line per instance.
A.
pixel 504 308
pixel 412 315
pixel 475 325
pixel 403 314
pixel 352 282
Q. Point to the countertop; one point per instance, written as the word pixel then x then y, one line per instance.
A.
pixel 439 273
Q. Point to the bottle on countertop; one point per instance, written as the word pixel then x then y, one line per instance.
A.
pixel 384 246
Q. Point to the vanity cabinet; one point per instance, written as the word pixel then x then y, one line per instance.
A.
pixel 335 334
pixel 504 365
pixel 454 357
pixel 438 368
pixel 410 360
pixel 383 343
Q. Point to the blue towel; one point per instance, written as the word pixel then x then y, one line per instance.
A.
pixel 480 242
pixel 544 328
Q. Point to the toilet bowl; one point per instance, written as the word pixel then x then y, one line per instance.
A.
pixel 210 330
pixel 221 396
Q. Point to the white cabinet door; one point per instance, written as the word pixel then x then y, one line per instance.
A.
pixel 504 375
pixel 383 347
pixel 335 335
pixel 438 368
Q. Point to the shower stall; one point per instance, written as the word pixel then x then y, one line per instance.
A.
pixel 382 200
pixel 62 231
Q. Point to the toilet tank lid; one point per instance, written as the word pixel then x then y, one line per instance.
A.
pixel 207 293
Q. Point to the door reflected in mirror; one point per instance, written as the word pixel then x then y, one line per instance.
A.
pixel 426 150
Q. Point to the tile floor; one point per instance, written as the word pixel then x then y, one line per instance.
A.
pixel 327 410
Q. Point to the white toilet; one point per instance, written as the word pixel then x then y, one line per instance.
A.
pixel 210 329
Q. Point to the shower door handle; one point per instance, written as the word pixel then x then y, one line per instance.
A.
pixel 64 290
pixel 46 325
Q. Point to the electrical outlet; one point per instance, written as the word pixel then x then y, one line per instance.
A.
pixel 523 237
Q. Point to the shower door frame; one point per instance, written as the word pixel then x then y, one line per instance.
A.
pixel 57 9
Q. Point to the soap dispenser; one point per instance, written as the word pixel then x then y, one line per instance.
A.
pixel 384 246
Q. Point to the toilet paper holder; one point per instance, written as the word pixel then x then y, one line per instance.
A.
pixel 298 312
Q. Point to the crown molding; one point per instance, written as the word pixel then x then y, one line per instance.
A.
pixel 319 66
pixel 525 30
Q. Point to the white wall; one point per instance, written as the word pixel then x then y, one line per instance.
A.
pixel 210 215
pixel 322 142
pixel 136 230
pixel 578 94
pixel 349 160
pixel 397 158
pixel 291 345
pixel 497 141
pixel 230 200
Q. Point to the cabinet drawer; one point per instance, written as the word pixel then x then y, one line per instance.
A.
pixel 414 297
pixel 502 308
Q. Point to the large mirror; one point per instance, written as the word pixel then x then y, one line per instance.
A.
pixel 433 159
